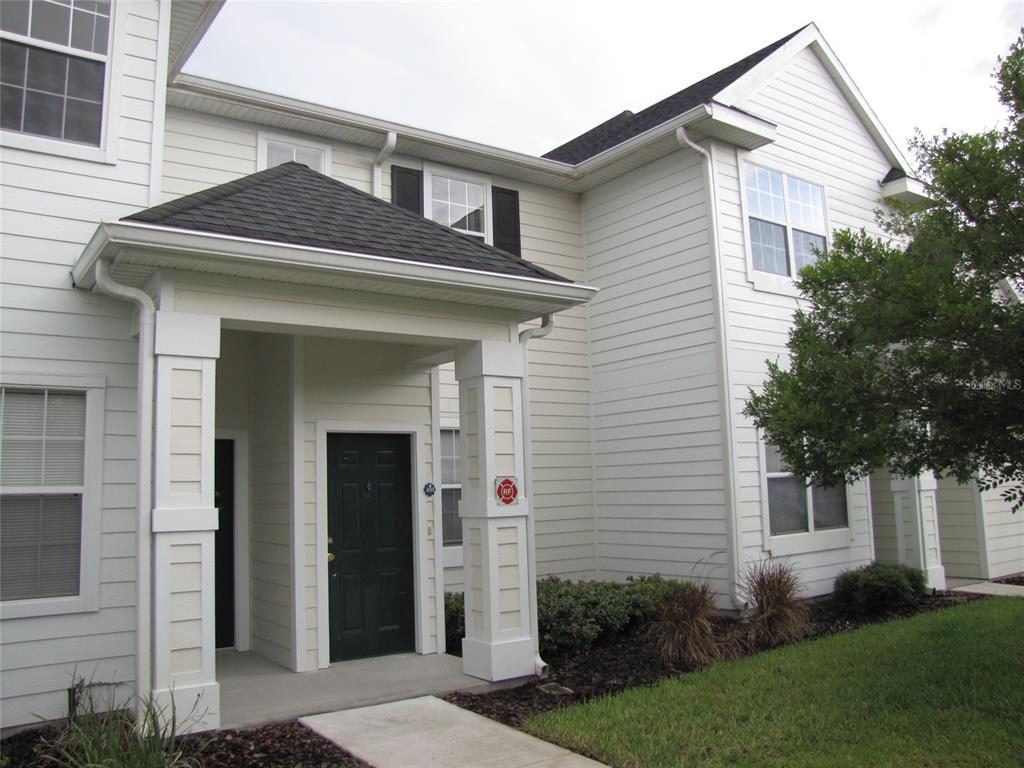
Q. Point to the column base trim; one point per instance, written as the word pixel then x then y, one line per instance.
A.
pixel 504 660
pixel 194 707
pixel 935 577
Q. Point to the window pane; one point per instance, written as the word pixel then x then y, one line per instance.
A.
pixel 458 192
pixel 22 413
pixel 449 456
pixel 102 33
pixel 47 71
pixel 82 121
pixel 458 204
pixel 764 193
pixel 11 103
pixel 439 212
pixel 51 22
pixel 806 248
pixel 806 205
pixel 450 520
pixel 278 153
pixel 12 62
pixel 773 461
pixel 768 247
pixel 63 463
pixel 311 158
pixel 83 27
pixel 85 80
pixel 14 16
pixel 40 546
pixel 44 114
pixel 787 505
pixel 829 507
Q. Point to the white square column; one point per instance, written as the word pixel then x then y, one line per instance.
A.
pixel 494 510
pixel 184 519
pixel 915 500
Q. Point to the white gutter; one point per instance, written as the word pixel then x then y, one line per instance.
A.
pixel 112 238
pixel 547 325
pixel 725 383
pixel 378 163
pixel 105 284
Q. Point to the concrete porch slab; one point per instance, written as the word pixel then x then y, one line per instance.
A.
pixel 991 588
pixel 256 690
pixel 429 733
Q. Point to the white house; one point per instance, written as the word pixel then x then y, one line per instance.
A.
pixel 248 402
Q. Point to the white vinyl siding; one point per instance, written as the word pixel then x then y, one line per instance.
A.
pixel 820 138
pixel 657 427
pixel 961 532
pixel 51 203
pixel 1004 535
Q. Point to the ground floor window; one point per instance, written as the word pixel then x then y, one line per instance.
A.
pixel 795 507
pixel 451 490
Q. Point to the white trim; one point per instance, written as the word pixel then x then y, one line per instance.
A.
pixel 156 149
pixel 421 545
pixel 908 190
pixel 264 136
pixel 768 281
pixel 984 561
pixel 457 174
pixel 298 508
pixel 198 519
pixel 243 621
pixel 88 597
pixel 440 551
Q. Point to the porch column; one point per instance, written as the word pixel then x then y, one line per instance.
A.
pixel 184 519
pixel 915 500
pixel 494 510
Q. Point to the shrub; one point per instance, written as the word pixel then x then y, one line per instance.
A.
pixel 95 737
pixel 879 589
pixel 778 615
pixel 454 622
pixel 685 633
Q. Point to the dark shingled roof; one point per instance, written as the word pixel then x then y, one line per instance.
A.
pixel 893 174
pixel 626 125
pixel 295 205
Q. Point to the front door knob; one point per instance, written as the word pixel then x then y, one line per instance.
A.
pixel 330 557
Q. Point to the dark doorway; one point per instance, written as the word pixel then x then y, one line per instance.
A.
pixel 370 558
pixel 224 543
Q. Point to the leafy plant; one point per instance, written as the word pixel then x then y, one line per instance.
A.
pixel 454 622
pixel 685 634
pixel 94 737
pixel 772 590
pixel 879 588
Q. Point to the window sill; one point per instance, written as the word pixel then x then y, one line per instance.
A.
pixel 49 606
pixel 453 556
pixel 769 283
pixel 57 147
pixel 804 543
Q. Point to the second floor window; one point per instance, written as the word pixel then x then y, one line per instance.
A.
pixel 786 218
pixel 53 66
pixel 458 204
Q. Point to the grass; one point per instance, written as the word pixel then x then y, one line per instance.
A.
pixel 941 689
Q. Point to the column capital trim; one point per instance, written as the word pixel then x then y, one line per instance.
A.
pixel 502 359
pixel 186 335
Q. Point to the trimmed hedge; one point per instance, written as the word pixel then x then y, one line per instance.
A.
pixel 879 588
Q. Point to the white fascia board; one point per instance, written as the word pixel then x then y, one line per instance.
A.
pixel 205 17
pixel 907 189
pixel 111 240
pixel 745 86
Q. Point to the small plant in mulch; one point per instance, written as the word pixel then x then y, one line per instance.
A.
pixel 880 589
pixel 778 615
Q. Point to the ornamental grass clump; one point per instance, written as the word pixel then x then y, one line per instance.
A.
pixel 685 634
pixel 777 616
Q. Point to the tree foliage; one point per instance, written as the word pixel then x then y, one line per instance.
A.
pixel 912 358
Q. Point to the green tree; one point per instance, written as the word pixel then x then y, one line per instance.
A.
pixel 913 358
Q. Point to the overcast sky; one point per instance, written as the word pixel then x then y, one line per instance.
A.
pixel 529 76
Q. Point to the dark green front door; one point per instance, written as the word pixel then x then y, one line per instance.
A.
pixel 369 529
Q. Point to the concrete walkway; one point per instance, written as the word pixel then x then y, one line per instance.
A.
pixel 991 588
pixel 430 733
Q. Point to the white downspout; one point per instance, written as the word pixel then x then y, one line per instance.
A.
pixel 547 325
pixel 735 547
pixel 378 163
pixel 144 607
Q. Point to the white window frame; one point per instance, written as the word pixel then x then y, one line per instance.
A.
pixel 264 137
pixel 452 553
pixel 800 542
pixel 430 170
pixel 106 152
pixel 767 281
pixel 88 597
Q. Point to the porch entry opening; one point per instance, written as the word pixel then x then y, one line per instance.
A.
pixel 369 545
pixel 224 543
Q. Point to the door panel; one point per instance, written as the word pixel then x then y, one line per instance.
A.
pixel 369 529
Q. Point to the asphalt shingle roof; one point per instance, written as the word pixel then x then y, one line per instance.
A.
pixel 626 124
pixel 294 205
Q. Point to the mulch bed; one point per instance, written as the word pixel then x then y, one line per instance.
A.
pixel 633 661
pixel 277 745
pixel 1017 580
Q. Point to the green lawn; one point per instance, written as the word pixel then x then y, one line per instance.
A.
pixel 942 689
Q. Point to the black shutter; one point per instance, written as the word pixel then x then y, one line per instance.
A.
pixel 506 220
pixel 407 188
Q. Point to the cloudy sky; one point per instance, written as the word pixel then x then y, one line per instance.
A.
pixel 530 75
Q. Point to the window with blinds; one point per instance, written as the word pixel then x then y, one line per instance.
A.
pixel 42 467
pixel 451 490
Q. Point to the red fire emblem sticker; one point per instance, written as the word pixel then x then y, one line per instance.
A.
pixel 506 490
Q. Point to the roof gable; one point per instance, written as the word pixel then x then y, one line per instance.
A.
pixel 733 86
pixel 294 205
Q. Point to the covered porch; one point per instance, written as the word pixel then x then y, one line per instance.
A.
pixel 296 384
